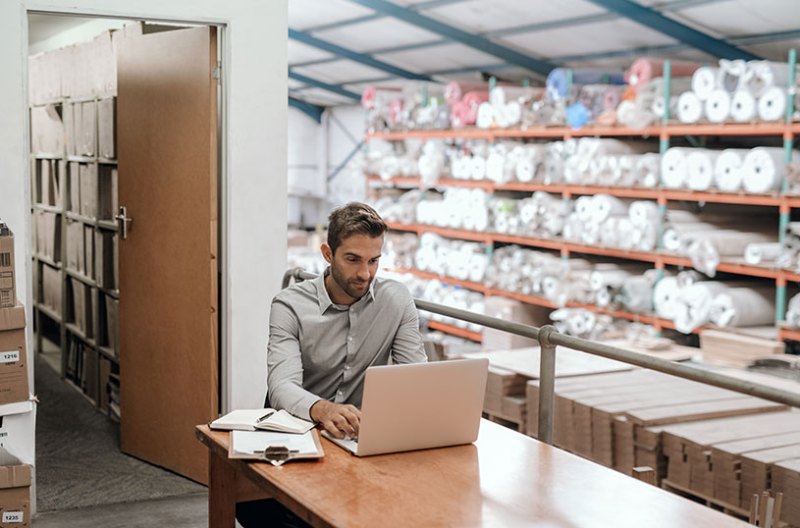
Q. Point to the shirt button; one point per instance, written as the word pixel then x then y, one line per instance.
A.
pixel 347 367
pixel 349 338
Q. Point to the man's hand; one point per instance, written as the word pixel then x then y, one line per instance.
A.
pixel 338 419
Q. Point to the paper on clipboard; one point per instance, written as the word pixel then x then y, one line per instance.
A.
pixel 251 444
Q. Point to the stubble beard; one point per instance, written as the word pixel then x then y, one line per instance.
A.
pixel 347 286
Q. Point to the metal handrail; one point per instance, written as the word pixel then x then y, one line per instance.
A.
pixel 548 338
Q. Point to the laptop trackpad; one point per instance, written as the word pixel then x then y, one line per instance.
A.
pixel 347 443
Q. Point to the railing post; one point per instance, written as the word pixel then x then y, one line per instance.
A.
pixel 547 377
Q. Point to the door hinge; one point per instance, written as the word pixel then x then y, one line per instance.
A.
pixel 217 72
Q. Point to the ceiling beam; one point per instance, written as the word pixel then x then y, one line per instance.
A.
pixel 355 56
pixel 325 86
pixel 654 20
pixel 311 110
pixel 410 16
pixel 420 6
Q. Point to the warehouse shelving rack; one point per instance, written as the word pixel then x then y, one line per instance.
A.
pixel 664 132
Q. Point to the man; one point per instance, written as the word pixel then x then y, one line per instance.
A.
pixel 324 333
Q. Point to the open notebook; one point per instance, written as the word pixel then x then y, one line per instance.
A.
pixel 419 406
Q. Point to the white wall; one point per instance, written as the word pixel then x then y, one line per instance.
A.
pixel 349 183
pixel 305 172
pixel 254 66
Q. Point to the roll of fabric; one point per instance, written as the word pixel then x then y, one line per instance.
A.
pixel 485 116
pixel 708 248
pixel 674 168
pixel 704 81
pixel 762 169
pixel 731 74
pixel 636 293
pixel 793 312
pixel 694 304
pixel 744 306
pixel 648 173
pixel 765 74
pixel 728 170
pixel 690 107
pixel 743 106
pixel 718 106
pixel 765 252
pixel 665 295
pixel 558 85
pixel 455 91
pixel 772 104
pixel 643 212
pixel 645 69
pixel 700 169
pixel 478 167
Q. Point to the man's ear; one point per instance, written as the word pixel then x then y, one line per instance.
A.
pixel 327 253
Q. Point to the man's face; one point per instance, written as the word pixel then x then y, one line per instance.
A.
pixel 355 263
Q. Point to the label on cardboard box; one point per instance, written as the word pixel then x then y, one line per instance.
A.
pixel 13 517
pixel 9 357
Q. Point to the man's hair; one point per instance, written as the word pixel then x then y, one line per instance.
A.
pixel 354 218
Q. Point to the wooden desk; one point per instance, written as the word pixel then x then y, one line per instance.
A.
pixel 505 479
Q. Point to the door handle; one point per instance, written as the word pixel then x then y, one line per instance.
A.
pixel 122 221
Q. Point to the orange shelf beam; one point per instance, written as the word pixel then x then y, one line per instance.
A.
pixel 474 286
pixel 456 331
pixel 790 334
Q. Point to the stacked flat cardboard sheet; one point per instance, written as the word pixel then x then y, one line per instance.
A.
pixel 786 480
pixel 726 348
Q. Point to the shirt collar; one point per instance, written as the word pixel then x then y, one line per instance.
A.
pixel 324 299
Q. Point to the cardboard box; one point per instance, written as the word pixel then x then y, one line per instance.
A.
pixel 88 179
pixel 17 430
pixel 88 132
pixel 15 496
pixel 74 186
pixel 13 360
pixel 51 288
pixel 112 321
pixel 106 128
pixel 8 293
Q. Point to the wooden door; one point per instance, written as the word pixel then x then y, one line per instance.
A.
pixel 167 141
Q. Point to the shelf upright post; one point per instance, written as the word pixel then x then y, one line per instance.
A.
pixel 788 142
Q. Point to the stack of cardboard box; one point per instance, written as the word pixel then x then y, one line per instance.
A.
pixel 16 409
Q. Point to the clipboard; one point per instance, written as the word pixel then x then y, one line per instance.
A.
pixel 273 447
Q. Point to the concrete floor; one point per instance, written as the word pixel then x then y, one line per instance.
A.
pixel 186 511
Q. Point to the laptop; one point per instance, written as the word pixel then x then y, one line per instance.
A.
pixel 419 406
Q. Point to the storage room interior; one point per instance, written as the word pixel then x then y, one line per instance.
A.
pixel 627 171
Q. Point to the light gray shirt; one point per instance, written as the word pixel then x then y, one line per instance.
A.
pixel 321 350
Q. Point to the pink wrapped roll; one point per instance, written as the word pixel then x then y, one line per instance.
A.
pixel 368 97
pixel 612 97
pixel 454 91
pixel 465 112
pixel 646 68
pixel 396 110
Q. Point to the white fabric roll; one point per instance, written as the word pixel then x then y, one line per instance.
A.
pixel 642 212
pixel 718 106
pixel 637 294
pixel 793 311
pixel 744 306
pixel 648 170
pixel 460 167
pixel 665 294
pixel 700 169
pixel 762 169
pixel 485 117
pixel 708 248
pixel 704 81
pixel 478 168
pixel 604 206
pixel 525 170
pixel 763 252
pixel 673 167
pixel 728 170
pixel 694 304
pixel 731 74
pixel 608 278
pixel 743 106
pixel 772 104
pixel 625 231
pixel 765 74
pixel 584 208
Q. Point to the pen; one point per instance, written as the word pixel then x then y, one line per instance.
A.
pixel 266 416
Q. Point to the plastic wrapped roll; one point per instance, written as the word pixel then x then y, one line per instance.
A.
pixel 645 69
pixel 762 169
pixel 744 306
pixel 690 107
pixel 604 206
pixel 485 117
pixel 704 81
pixel 728 170
pixel 665 295
pixel 793 312
pixel 765 252
pixel 731 74
pixel 478 168
pixel 455 91
pixel 673 167
pixel 700 169
pixel 718 106
pixel 648 170
pixel 765 74
pixel 694 304
pixel 743 106
pixel 637 294
pixel 706 251
pixel 558 84
pixel 772 104
pixel 583 208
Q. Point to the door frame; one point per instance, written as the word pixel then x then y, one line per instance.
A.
pixel 223 314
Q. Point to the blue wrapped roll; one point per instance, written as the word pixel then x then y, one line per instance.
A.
pixel 558 85
pixel 577 115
